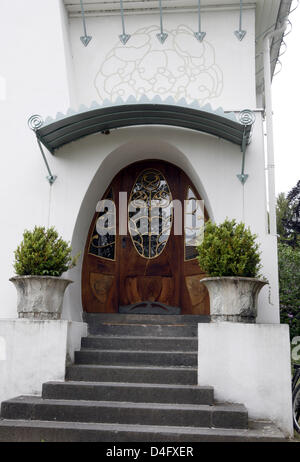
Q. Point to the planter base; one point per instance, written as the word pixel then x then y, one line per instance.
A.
pixel 40 316
pixel 40 297
pixel 233 318
pixel 233 299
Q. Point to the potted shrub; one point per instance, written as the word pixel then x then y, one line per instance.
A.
pixel 230 255
pixel 40 260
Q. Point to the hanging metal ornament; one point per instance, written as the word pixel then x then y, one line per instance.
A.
pixel 162 36
pixel 240 34
pixel 85 38
pixel 123 37
pixel 199 35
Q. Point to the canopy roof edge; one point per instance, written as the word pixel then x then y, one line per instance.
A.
pixel 65 128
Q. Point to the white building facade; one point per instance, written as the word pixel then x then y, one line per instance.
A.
pixel 46 69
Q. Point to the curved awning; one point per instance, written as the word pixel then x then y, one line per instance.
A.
pixel 55 133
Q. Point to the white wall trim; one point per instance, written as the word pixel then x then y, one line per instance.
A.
pixel 35 352
pixel 112 10
pixel 249 364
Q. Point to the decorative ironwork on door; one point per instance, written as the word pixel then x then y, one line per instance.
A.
pixel 150 213
pixel 103 239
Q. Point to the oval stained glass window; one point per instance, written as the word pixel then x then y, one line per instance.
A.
pixel 150 213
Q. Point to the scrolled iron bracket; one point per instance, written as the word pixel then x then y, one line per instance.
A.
pixel 247 119
pixel 35 122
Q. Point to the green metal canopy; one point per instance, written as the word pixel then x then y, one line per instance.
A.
pixel 55 133
pixel 70 127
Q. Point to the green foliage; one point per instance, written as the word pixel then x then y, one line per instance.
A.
pixel 288 217
pixel 289 287
pixel 282 211
pixel 43 253
pixel 229 249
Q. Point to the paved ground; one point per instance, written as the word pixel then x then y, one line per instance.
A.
pixel 296 437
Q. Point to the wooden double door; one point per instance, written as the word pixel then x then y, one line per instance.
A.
pixel 140 254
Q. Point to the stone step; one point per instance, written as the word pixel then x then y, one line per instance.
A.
pixel 42 431
pixel 140 343
pixel 184 415
pixel 111 318
pixel 133 392
pixel 134 358
pixel 133 374
pixel 144 330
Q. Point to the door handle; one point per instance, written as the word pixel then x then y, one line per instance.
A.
pixel 124 242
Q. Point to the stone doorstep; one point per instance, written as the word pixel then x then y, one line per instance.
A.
pixel 140 343
pixel 131 357
pixel 140 374
pixel 37 431
pixel 185 415
pixel 132 392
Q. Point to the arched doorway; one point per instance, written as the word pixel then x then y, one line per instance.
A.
pixel 151 268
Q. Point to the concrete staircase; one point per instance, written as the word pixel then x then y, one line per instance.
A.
pixel 134 379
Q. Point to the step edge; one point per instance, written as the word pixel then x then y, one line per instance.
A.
pixel 131 384
pixel 96 350
pixel 139 367
pixel 38 401
pixel 139 337
pixel 130 428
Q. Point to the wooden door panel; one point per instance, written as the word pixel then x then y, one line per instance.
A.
pixel 163 268
pixel 198 294
pixel 102 285
pixel 148 288
pixel 100 275
pixel 97 276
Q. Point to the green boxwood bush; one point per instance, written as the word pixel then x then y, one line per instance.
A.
pixel 229 249
pixel 289 287
pixel 43 253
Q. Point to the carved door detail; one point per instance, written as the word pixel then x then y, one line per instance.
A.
pixel 152 269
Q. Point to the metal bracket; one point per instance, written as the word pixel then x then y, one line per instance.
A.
pixel 199 35
pixel 243 177
pixel 85 39
pixel 162 36
pixel 240 34
pixel 247 119
pixel 123 37
pixel 35 122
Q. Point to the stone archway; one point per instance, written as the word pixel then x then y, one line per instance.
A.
pixel 129 152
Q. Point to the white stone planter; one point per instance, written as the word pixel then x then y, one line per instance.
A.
pixel 233 298
pixel 40 297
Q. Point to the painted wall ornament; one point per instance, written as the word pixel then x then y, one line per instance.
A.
pixel 183 68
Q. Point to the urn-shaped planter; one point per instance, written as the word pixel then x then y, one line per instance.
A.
pixel 40 297
pixel 233 298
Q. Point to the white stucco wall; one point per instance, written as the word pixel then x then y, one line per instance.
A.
pixel 33 63
pixel 249 364
pixel 220 71
pixel 34 352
